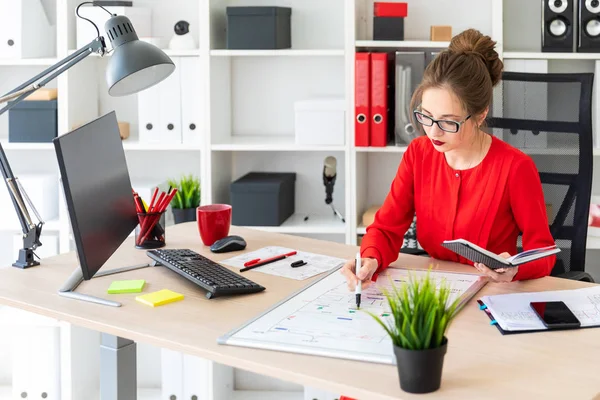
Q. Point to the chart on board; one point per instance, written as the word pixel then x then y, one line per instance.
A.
pixel 323 319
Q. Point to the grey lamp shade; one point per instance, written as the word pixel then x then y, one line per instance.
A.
pixel 135 65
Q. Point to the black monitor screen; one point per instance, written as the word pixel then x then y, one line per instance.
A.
pixel 97 190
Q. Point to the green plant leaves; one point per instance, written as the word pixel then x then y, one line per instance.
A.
pixel 419 313
pixel 188 192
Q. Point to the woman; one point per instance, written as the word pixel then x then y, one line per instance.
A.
pixel 460 181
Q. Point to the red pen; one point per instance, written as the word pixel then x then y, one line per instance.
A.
pixel 254 263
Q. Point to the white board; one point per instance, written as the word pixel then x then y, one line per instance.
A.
pixel 322 318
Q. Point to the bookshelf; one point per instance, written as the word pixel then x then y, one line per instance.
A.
pixel 246 98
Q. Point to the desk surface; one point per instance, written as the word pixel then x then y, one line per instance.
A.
pixel 479 362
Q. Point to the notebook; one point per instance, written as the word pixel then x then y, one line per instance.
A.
pixel 159 298
pixel 511 313
pixel 474 253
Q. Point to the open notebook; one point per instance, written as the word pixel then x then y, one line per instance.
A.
pixel 474 253
pixel 511 313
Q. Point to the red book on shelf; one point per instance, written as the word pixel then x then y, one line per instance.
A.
pixel 379 99
pixel 362 77
pixel 388 9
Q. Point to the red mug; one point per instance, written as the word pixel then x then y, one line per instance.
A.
pixel 214 221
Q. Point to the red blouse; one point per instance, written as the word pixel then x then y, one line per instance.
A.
pixel 489 205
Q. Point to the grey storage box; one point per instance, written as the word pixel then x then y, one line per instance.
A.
pixel 33 122
pixel 263 198
pixel 259 28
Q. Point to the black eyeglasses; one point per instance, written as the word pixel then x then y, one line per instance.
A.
pixel 445 125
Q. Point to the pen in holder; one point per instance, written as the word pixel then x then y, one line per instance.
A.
pixel 150 232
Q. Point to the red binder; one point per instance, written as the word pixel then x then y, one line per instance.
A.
pixel 379 99
pixel 362 78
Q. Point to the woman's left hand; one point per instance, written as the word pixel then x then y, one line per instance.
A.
pixel 500 274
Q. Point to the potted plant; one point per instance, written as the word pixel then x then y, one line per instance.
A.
pixel 187 198
pixel 419 318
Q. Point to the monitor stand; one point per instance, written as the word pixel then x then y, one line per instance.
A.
pixel 68 289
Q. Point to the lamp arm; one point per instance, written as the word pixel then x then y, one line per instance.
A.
pixel 15 194
pixel 32 231
pixel 22 91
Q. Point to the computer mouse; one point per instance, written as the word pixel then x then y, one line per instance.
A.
pixel 227 244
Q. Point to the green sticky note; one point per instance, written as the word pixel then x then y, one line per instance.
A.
pixel 132 286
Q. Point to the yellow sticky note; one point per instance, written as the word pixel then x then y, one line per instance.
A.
pixel 159 298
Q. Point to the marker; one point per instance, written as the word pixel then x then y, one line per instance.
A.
pixel 358 289
pixel 298 263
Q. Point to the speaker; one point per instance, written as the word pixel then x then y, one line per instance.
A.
pixel 558 17
pixel 588 35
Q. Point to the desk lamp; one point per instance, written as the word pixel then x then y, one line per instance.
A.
pixel 134 66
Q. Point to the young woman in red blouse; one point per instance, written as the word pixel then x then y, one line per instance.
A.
pixel 460 181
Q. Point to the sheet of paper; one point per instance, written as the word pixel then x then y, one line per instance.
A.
pixel 315 263
pixel 323 319
pixel 513 312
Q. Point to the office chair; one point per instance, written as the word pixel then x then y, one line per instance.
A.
pixel 549 116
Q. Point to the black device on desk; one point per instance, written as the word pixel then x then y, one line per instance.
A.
pixel 555 315
pixel 102 212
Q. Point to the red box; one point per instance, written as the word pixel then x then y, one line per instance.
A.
pixel 386 9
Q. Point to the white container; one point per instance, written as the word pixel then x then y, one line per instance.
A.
pixel 320 121
pixel 25 31
pixel 140 17
pixel 42 190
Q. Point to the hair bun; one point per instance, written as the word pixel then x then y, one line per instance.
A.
pixel 472 42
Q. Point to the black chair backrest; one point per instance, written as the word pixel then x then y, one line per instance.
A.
pixel 549 117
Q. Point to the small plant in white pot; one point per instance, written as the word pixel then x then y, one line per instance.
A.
pixel 419 317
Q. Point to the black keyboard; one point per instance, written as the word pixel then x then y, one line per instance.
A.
pixel 214 278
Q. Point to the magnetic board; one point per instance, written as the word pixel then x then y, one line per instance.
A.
pixel 322 319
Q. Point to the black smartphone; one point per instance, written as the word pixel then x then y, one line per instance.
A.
pixel 555 314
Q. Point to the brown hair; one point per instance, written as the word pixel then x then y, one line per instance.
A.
pixel 469 67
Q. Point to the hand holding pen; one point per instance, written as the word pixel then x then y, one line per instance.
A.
pixel 368 266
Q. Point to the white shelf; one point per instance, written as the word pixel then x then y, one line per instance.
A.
pixel 27 146
pixel 277 53
pixel 315 224
pixel 526 55
pixel 28 61
pixel 170 53
pixel 416 44
pixel 387 149
pixel 137 146
pixel 266 395
pixel 182 53
pixel 361 230
pixel 269 143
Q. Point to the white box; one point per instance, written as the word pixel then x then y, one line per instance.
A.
pixel 141 19
pixel 25 31
pixel 320 121
pixel 42 190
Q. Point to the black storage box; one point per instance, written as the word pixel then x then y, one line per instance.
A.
pixel 388 28
pixel 263 198
pixel 259 28
pixel 33 122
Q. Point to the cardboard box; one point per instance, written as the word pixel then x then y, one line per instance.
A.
pixel 441 33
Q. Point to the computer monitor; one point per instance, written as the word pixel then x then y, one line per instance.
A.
pixel 99 198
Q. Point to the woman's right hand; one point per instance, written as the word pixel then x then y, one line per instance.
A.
pixel 367 269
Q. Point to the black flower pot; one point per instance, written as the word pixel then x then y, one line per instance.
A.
pixel 181 215
pixel 420 371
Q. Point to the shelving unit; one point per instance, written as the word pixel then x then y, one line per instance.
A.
pixel 246 102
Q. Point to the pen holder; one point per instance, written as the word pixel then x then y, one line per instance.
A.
pixel 150 232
